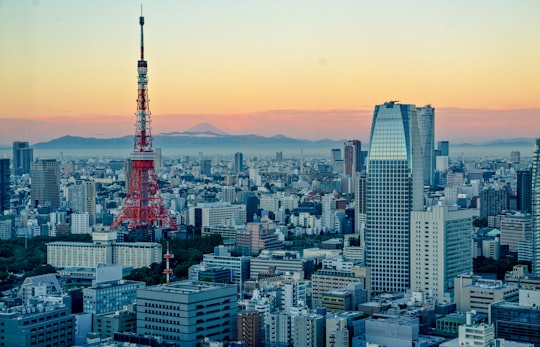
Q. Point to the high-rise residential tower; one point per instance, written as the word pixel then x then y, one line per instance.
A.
pixel 352 157
pixel 394 189
pixel 536 209
pixel 23 155
pixel 426 127
pixel 45 175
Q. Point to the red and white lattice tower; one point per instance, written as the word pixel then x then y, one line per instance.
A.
pixel 143 206
pixel 168 271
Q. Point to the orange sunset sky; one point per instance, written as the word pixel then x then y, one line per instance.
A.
pixel 302 68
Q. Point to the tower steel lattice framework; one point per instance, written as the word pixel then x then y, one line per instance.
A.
pixel 143 206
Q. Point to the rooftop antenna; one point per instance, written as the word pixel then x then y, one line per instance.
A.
pixel 168 271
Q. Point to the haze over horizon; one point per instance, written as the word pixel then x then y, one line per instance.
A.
pixel 303 69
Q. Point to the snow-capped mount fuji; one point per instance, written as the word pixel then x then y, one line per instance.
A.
pixel 199 130
pixel 205 128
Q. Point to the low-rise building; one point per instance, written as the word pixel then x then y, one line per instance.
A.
pixel 475 293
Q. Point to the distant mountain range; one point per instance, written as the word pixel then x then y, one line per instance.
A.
pixel 201 137
pixel 204 137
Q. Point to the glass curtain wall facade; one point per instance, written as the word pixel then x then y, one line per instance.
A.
pixel 426 126
pixel 536 209
pixel 394 189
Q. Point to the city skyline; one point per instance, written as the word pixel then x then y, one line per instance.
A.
pixel 308 70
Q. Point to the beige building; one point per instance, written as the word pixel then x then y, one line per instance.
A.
pixel 329 279
pixel 475 293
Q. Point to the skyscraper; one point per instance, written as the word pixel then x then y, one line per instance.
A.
pixel 23 155
pixel 394 189
pixel 238 162
pixel 4 185
pixel 524 193
pixel 352 156
pixel 426 127
pixel 536 209
pixel 45 176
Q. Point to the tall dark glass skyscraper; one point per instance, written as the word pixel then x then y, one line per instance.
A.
pixel 536 208
pixel 394 189
pixel 426 127
pixel 4 185
pixel 23 155
pixel 238 162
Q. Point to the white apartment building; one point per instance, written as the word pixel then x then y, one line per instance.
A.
pixel 441 241
pixel 80 222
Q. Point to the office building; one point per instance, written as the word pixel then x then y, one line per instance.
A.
pixel 426 128
pixel 481 335
pixel 393 332
pixel 535 207
pixel 45 321
pixel 23 156
pixel 218 213
pixel 187 312
pixel 333 278
pixel 110 296
pixel 279 262
pixel 103 250
pixel 394 189
pixel 239 266
pixel 209 273
pixel 5 183
pixel 123 321
pixel 472 292
pixel 238 162
pixel 441 240
pixel 524 191
pixel 516 322
pixel 257 236
pixel 352 160
pixel 45 175
pixel 515 228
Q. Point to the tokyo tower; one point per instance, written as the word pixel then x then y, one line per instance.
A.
pixel 143 207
